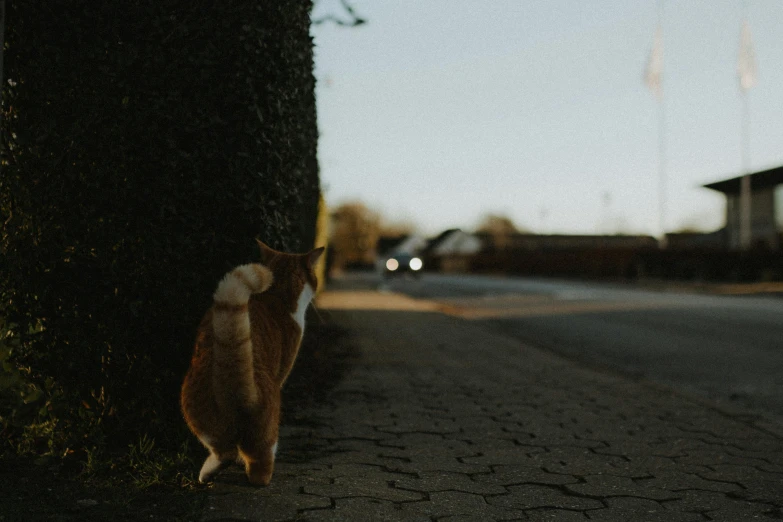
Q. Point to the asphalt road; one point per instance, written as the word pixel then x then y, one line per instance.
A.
pixel 726 349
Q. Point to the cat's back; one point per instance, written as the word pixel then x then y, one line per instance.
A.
pixel 203 346
pixel 270 314
pixel 274 332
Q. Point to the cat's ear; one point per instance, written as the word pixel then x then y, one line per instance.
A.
pixel 266 252
pixel 313 256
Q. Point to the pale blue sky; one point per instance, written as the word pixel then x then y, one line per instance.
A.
pixel 439 111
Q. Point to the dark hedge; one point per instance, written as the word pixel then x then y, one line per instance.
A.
pixel 146 143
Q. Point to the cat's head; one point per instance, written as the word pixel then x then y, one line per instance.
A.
pixel 292 272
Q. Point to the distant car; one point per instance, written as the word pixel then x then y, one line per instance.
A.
pixel 400 264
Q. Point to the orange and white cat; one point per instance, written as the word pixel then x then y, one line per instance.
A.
pixel 245 348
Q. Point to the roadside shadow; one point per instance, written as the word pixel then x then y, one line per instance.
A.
pixel 326 354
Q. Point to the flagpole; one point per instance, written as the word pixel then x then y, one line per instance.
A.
pixel 662 171
pixel 653 77
pixel 745 68
pixel 746 232
pixel 662 178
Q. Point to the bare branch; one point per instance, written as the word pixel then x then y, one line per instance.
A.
pixel 354 20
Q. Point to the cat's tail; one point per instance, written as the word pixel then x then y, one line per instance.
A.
pixel 231 327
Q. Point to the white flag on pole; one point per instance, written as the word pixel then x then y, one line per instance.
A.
pixel 746 64
pixel 654 69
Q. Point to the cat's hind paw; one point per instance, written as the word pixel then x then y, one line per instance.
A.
pixel 210 468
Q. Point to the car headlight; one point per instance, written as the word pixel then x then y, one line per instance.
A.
pixel 392 265
pixel 415 264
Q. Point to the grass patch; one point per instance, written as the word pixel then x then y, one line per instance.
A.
pixel 58 463
pixel 145 484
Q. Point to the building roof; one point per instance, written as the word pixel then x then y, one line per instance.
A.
pixel 435 241
pixel 457 241
pixel 758 180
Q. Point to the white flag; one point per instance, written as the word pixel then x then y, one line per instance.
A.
pixel 746 65
pixel 654 69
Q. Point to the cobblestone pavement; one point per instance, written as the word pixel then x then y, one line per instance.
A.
pixel 440 419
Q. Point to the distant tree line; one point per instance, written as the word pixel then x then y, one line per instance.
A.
pixel 356 230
